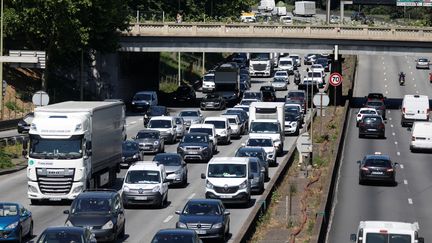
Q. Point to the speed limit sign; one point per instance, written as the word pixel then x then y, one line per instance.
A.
pixel 335 79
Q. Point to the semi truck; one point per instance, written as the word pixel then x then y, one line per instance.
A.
pixel 304 8
pixel 74 146
pixel 227 82
pixel 261 64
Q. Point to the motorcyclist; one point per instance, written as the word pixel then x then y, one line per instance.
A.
pixel 296 77
pixel 430 77
pixel 401 77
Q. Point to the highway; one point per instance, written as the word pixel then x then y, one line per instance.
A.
pixel 142 223
pixel 409 201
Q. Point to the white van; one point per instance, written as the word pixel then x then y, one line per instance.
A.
pixel 228 179
pixel 386 231
pixel 414 108
pixel 145 183
pixel 223 129
pixel 166 125
pixel 287 64
pixel 421 137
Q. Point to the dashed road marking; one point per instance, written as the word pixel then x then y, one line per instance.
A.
pixel 415 85
pixel 410 201
pixel 388 112
pixel 385 85
pixel 390 118
pixel 386 92
pixel 168 219
pixel 401 166
pixel 394 134
pixel 391 125
pixel 396 142
pixel 191 196
pixel 405 182
pixel 384 73
pixel 141 119
pixel 417 91
pixel 398 153
pixel 131 123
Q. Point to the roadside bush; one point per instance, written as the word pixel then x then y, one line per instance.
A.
pixel 5 160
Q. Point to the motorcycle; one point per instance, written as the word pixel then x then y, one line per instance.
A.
pixel 401 79
pixel 297 80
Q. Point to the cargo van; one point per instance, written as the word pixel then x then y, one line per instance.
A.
pixel 414 108
pixel 386 231
pixel 421 138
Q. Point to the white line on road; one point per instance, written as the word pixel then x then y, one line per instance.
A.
pixel 132 122
pixel 386 92
pixel 141 119
pixel 401 166
pixel 417 91
pixel 396 142
pixel 398 153
pixel 389 113
pixel 390 117
pixel 410 201
pixel 391 125
pixel 168 218
pixel 405 182
pixel 415 85
pixel 191 196
pixel 385 85
pixel 384 73
pixel 394 134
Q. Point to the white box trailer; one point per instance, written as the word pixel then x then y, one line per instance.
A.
pixel 74 146
pixel 304 8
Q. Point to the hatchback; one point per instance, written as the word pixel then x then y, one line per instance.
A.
pixel 16 222
pixel 175 167
pixel 422 63
pixel 176 236
pixel 377 167
pixel 66 234
pixel 372 125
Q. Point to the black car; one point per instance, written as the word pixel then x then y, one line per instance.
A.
pixel 196 146
pixel 130 152
pixel 356 16
pixel 377 167
pixel 24 123
pixel 157 110
pixel 101 211
pixel 378 105
pixel 371 125
pixel 208 217
pixel 297 111
pixel 376 96
pixel 324 62
pixel 66 234
pixel 269 93
pixel 185 93
pixel 256 152
pixel 176 236
pixel 213 101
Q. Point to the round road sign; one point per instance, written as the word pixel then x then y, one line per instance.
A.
pixel 40 98
pixel 335 79
pixel 321 99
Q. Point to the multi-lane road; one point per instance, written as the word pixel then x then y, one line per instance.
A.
pixel 409 201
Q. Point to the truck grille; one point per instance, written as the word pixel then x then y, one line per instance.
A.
pixel 229 189
pixel 259 67
pixel 199 226
pixel 55 184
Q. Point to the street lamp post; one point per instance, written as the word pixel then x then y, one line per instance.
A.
pixel 1 63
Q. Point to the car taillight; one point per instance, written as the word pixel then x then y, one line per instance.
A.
pixel 412 138
pixel 365 168
pixel 381 125
pixel 390 170
pixel 403 110
pixel 359 115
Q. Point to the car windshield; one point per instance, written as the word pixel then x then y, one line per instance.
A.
pixel 193 138
pixel 217 124
pixel 367 112
pixel 375 103
pixel 264 127
pixel 232 121
pixel 316 66
pixel 378 163
pixel 245 108
pixel 142 97
pixel 172 238
pixel 130 146
pixel 148 135
pixel 246 153
pixel 44 148
pixel 189 113
pixel 91 205
pixel 208 78
pixel 372 119
pixel 168 160
pixel 212 97
pixel 291 110
pixel 387 238
pixel 227 170
pixel 157 111
pixel 254 167
pixel 196 208
pixel 280 74
pixel 278 80
pixel 260 56
pixel 259 142
pixel 246 102
pixel 159 124
pixel 7 210
pixel 143 177
pixel 252 95
pixel 209 131
pixel 61 236
pixel 423 60
pixel 314 74
pixel 285 63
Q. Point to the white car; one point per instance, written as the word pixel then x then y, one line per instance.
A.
pixel 365 111
pixel 208 84
pixel 286 19
pixel 167 127
pixel 316 77
pixel 296 58
pixel 206 128
pixel 318 68
pixel 279 84
pixel 281 75
pixel 247 102
pixel 223 129
pixel 235 124
pixel 264 142
pixel 287 64
pixel 422 63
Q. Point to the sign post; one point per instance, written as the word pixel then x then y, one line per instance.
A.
pixel 321 100
pixel 335 80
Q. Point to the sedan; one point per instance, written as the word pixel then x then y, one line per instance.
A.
pixel 422 63
pixel 378 105
pixel 16 222
pixel 67 234
pixel 281 75
pixel 130 152
pixel 365 111
pixel 372 125
pixel 377 167
pixel 208 217
pixel 267 144
pixel 24 123
pixel 175 167
pixel 176 235
pixel 191 116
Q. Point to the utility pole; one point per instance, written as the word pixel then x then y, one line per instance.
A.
pixel 1 62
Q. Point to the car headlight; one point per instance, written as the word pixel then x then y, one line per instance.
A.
pixel 133 102
pixel 155 142
pixel 243 185
pixel 156 189
pixel 126 189
pixel 224 132
pixel 217 226
pixel 108 225
pixel 181 225
pixel 209 185
pixel 178 172
pixel 69 224
pixel 135 156
pixel 12 226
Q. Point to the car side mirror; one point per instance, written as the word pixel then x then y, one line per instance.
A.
pixel 226 213
pixel 358 161
pixel 178 212
pixel 175 126
pixel 166 180
pixel 251 176
pixel 66 211
pixel 203 176
pixel 243 144
pixel 420 240
pixel 353 237
pixel 24 153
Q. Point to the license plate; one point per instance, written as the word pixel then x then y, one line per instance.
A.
pixel 193 152
pixel 55 199
pixel 146 147
pixel 141 198
pixel 225 196
pixel 372 130
pixel 377 173
pixel 201 232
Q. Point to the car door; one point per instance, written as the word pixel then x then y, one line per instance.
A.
pixel 119 211
pixel 226 218
pixel 25 219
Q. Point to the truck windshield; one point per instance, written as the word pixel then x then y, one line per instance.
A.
pixel 217 124
pixel 260 56
pixel 264 127
pixel 387 238
pixel 227 170
pixel 43 148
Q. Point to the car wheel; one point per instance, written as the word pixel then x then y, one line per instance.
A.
pixel 20 236
pixel 360 135
pixel 122 232
pixel 30 233
pixel 165 202
pixel 162 149
pixel 361 182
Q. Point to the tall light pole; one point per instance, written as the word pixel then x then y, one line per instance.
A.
pixel 1 63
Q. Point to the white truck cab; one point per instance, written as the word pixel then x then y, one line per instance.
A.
pixel 228 179
pixel 145 183
pixel 166 125
pixel 386 232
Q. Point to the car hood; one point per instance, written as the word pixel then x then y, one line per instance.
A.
pixel 193 144
pixel 5 221
pixel 190 118
pixel 170 168
pixel 146 140
pixel 89 219
pixel 211 100
pixel 229 181
pixel 143 186
pixel 141 101
pixel 207 219
pixel 129 153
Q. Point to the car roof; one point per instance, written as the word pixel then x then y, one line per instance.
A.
pixel 377 156
pixel 145 92
pixel 64 228
pixel 97 193
pixel 215 118
pixel 201 125
pixel 196 134
pixel 162 118
pixel 188 110
pixel 391 226
pixel 167 154
pixel 203 200
pixel 148 131
pixel 176 231
pixel 145 165
pixel 229 160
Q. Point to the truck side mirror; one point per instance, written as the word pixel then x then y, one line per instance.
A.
pixel 420 240
pixel 353 237
pixel 203 176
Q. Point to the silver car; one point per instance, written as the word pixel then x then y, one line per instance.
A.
pixel 422 63
pixel 191 116
pixel 175 167
pixel 150 141
pixel 181 126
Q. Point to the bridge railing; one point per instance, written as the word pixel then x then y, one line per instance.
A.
pixel 301 31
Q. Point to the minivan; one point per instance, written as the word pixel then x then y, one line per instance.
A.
pixel 414 108
pixel 228 179
pixel 421 137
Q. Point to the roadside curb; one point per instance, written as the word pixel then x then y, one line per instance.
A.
pixel 13 170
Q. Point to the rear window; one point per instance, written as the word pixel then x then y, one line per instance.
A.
pixel 254 166
pixel 387 238
pixel 378 163
pixel 373 119
pixel 375 103
pixel 367 112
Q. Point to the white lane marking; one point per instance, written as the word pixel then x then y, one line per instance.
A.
pixel 191 196
pixel 388 112
pixel 131 123
pixel 385 79
pixel 386 92
pixel 405 182
pixel 141 119
pixel 398 153
pixel 385 85
pixel 410 201
pixel 384 73
pixel 417 91
pixel 126 125
pixel 394 134
pixel 396 142
pixel 390 117
pixel 168 218
pixel 415 85
pixel 391 125
pixel 401 166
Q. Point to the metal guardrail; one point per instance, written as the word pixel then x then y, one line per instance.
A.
pixel 12 140
pixel 277 30
pixel 9 124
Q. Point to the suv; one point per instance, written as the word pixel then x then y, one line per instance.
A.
pixel 196 146
pixel 206 128
pixel 100 211
pixel 167 127
pixel 223 129
pixel 145 183
pixel 372 125
pixel 143 100
pixel 266 143
pixel 377 167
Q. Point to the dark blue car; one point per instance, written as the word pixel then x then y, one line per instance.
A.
pixel 130 152
pixel 16 222
pixel 176 236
